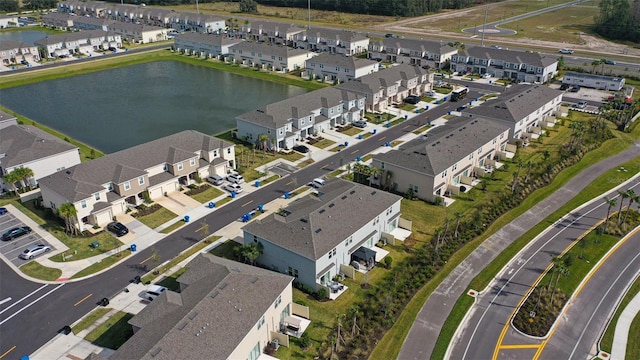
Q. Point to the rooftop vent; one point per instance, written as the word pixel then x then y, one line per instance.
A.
pixel 303 220
pixel 352 192
pixel 182 325
pixel 254 280
pixel 373 192
pixel 155 352
pixel 193 315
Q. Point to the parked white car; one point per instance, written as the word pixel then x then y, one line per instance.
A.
pixel 235 178
pixel 153 291
pixel 566 51
pixel 232 187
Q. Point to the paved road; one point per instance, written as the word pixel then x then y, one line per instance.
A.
pixel 425 330
pixel 36 319
pixel 492 27
pixel 487 327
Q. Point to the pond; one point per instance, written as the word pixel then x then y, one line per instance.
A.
pixel 118 108
pixel 25 36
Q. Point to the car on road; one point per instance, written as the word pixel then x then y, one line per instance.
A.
pixel 233 187
pixel 117 228
pixel 235 178
pixel 15 233
pixel 388 35
pixel 24 62
pixel 3 211
pixel 412 99
pixel 460 108
pixel 566 51
pixel 360 124
pixel 215 179
pixel 581 105
pixel 497 47
pixel 301 148
pixel 153 291
pixel 609 62
pixel 34 250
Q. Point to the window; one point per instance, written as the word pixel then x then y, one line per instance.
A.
pixel 215 153
pixel 192 162
pixel 83 204
pixel 332 253
pixel 255 239
pixel 228 150
pixel 479 150
pixel 454 167
pixel 501 135
pixel 470 156
pixel 97 196
pixel 141 180
pixel 444 173
pixel 127 186
pixel 495 141
pixel 278 301
pixel 180 166
pixel 260 322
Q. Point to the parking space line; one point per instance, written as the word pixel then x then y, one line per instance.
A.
pixel 5 300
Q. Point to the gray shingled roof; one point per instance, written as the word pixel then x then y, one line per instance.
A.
pixel 332 33
pixel 270 26
pixel 12 45
pixel 133 27
pixel 266 49
pixel 516 103
pixel 222 302
pixel 56 16
pixel 517 57
pixel 444 145
pixel 348 62
pixel 4 116
pixel 431 47
pixel 24 143
pixel 278 114
pixel 384 78
pixel 315 225
pixel 81 181
pixel 91 21
pixel 72 36
pixel 204 38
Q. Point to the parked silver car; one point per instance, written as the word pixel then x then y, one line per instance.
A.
pixel 34 250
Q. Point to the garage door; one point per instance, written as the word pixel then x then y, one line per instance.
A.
pixel 104 218
pixel 155 193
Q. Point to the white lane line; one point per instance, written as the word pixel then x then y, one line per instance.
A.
pixel 23 298
pixel 5 300
pixel 31 303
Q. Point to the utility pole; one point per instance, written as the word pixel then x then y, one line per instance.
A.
pixel 484 24
pixel 309 10
pixel 197 7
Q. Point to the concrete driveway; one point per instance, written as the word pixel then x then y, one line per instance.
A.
pixel 178 203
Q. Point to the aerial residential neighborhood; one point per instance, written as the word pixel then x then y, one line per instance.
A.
pixel 236 180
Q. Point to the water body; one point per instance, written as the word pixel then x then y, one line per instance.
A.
pixel 115 109
pixel 25 36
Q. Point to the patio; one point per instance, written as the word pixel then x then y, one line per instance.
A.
pixel 336 289
pixel 294 325
pixel 400 233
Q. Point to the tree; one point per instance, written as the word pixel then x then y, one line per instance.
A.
pixel 611 203
pixel 10 179
pixel 248 6
pixel 68 212
pixel 623 195
pixel 250 252
pixel 458 216
pixel 9 5
pixel 633 197
pixel 561 269
pixel 594 63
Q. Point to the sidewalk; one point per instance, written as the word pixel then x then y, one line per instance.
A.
pixel 621 334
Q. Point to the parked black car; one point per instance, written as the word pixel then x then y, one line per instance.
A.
pixel 412 99
pixel 360 124
pixel 15 233
pixel 118 229
pixel 301 148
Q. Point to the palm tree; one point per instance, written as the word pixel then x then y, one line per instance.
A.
pixel 602 62
pixel 623 195
pixel 458 216
pixel 633 197
pixel 594 63
pixel 611 202
pixel 10 179
pixel 561 269
pixel 25 175
pixel 68 212
pixel 263 140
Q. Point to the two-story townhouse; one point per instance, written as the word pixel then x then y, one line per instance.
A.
pixel 84 8
pixel 340 68
pixel 104 187
pixel 417 52
pixel 446 160
pixel 57 20
pixel 390 86
pixel 315 236
pixel 139 33
pixel 29 147
pixel 207 45
pixel 333 40
pixel 609 83
pixel 188 21
pixel 294 119
pixel 272 32
pixel 507 64
pixel 224 310
pixel 275 57
pixel 91 23
pixel 524 108
pixel 8 21
pixel 13 52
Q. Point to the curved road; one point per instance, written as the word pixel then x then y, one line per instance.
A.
pixel 425 330
pixel 37 311
pixel 487 334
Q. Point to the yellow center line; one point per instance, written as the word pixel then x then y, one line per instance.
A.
pixel 324 166
pixel 587 279
pixel 382 138
pixel 145 260
pixel 406 127
pixel 290 182
pixel 355 151
pixel 7 352
pixel 523 346
pixel 83 299
pixel 247 203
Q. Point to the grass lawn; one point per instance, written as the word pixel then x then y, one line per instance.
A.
pixel 225 250
pixel 407 107
pixel 367 135
pixel 607 339
pixel 305 163
pixel 421 129
pixel 79 246
pixel 171 281
pixel 173 226
pixel 90 319
pixel 396 143
pixel 352 131
pixel 35 270
pixel 104 264
pixel 366 157
pixel 442 90
pixel 158 217
pixel 378 118
pixel 633 344
pixel 112 333
pixel 334 173
pixel 397 121
pixel 271 178
pixel 207 195
pixel 324 143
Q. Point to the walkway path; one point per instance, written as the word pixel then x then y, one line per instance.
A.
pixel 621 334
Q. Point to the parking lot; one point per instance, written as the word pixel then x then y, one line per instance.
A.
pixel 12 249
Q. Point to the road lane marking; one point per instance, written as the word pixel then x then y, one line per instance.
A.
pixel 31 303
pixel 7 352
pixel 324 167
pixel 523 346
pixel 354 151
pixel 5 300
pixel 24 297
pixel 290 182
pixel 382 138
pixel 147 259
pixel 247 203
pixel 83 299
pixel 406 127
pixel 581 286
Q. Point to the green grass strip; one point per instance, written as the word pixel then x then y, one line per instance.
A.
pixel 90 319
pixel 104 264
pixel 606 344
pixel 37 271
